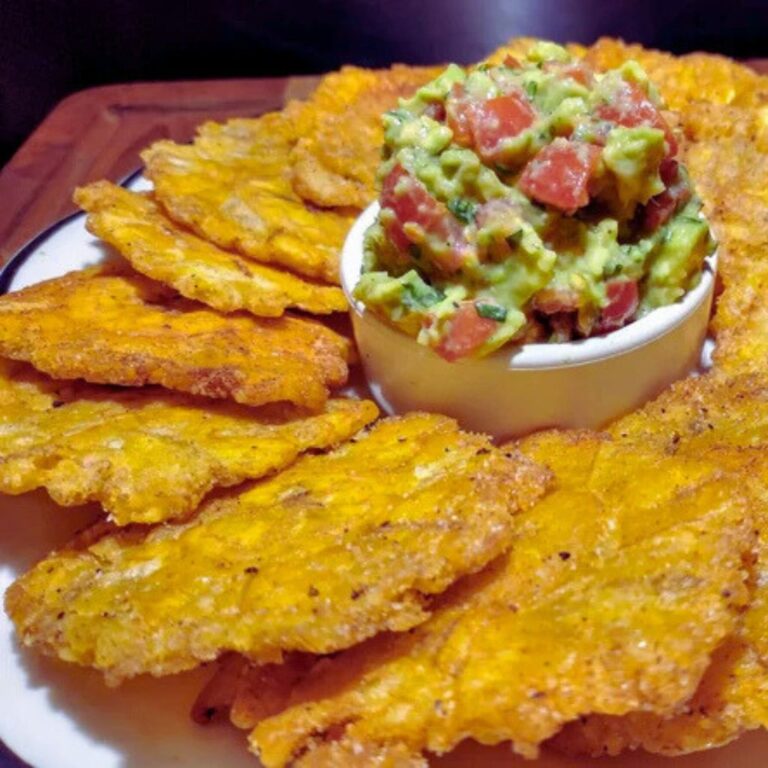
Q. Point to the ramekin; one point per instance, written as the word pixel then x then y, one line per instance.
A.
pixel 520 389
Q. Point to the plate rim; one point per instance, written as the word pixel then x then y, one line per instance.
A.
pixel 8 758
pixel 17 260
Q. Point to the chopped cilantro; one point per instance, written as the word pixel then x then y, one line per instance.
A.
pixel 531 88
pixel 419 296
pixel 613 267
pixel 491 312
pixel 463 209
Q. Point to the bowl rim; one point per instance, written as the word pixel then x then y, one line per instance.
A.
pixel 540 356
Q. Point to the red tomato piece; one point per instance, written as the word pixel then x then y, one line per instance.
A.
pixel 483 124
pixel 581 73
pixel 436 111
pixel 660 208
pixel 631 107
pixel 560 173
pixel 497 119
pixel 411 203
pixel 669 171
pixel 577 71
pixel 465 333
pixel 511 62
pixel 458 110
pixel 390 200
pixel 623 299
pixel 552 301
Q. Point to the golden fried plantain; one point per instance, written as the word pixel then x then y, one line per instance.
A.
pixel 331 551
pixel 146 454
pixel 728 155
pixel 729 415
pixel 729 700
pixel 725 150
pixel 110 326
pixel 157 247
pixel 334 163
pixel 232 186
pixel 683 80
pixel 611 599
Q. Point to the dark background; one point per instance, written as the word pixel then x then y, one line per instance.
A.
pixel 50 48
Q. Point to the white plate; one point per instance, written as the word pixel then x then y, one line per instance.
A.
pixel 54 715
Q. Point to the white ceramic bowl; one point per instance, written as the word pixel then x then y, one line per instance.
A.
pixel 520 389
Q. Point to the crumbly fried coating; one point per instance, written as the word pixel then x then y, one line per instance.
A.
pixel 232 186
pixel 730 699
pixel 728 154
pixel 610 599
pixel 148 455
pixel 335 160
pixel 110 326
pixel 722 116
pixel 684 80
pixel 729 416
pixel 331 551
pixel 284 188
pixel 157 247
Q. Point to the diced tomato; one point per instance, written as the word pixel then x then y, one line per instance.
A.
pixel 551 301
pixel 581 73
pixel 511 62
pixel 669 171
pixel 483 124
pixel 660 208
pixel 658 211
pixel 465 333
pixel 560 173
pixel 411 203
pixel 497 119
pixel 435 110
pixel 631 107
pixel 458 110
pixel 622 304
pixel 577 71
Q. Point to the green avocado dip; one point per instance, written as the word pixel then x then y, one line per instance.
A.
pixel 529 202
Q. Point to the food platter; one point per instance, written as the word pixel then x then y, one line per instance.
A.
pixel 56 716
pixel 577 592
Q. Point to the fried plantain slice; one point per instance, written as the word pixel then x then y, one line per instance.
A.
pixel 335 160
pixel 611 599
pixel 148 455
pixel 695 416
pixel 110 326
pixel 727 154
pixel 729 700
pixel 727 410
pixel 683 80
pixel 333 550
pixel 232 186
pixel 157 247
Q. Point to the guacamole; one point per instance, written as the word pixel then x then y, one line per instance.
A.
pixel 533 201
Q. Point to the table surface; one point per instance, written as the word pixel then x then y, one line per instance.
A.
pixel 98 133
